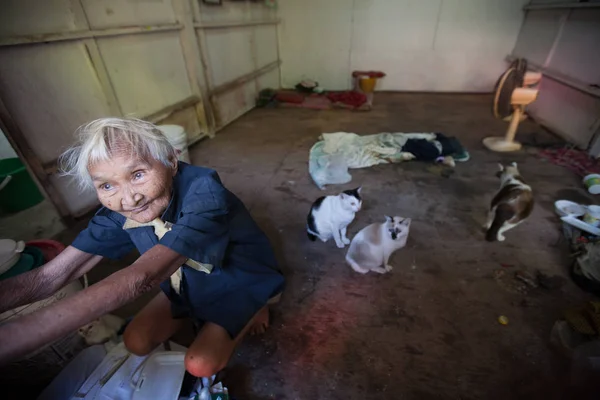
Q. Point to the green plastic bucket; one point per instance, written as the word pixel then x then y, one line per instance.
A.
pixel 17 190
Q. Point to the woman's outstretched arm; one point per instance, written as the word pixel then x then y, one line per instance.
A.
pixel 26 334
pixel 44 281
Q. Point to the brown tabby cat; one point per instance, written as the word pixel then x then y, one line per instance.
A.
pixel 511 205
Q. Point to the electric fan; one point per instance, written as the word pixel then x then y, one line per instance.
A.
pixel 514 90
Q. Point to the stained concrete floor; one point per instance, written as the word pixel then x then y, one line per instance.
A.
pixel 429 329
pixel 38 222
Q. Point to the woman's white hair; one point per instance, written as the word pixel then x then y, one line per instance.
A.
pixel 101 139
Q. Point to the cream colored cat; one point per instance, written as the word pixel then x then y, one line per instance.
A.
pixel 101 330
pixel 372 247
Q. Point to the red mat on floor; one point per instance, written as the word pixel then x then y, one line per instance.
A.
pixel 576 160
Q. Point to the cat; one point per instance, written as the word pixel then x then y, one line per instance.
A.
pixel 511 205
pixel 372 247
pixel 329 216
pixel 101 330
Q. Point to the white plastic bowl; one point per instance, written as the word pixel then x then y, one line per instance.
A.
pixel 566 207
pixel 10 252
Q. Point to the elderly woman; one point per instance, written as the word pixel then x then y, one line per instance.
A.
pixel 196 239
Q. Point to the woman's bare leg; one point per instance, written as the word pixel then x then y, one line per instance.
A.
pixel 151 326
pixel 212 348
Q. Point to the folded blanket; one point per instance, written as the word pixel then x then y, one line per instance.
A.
pixel 331 157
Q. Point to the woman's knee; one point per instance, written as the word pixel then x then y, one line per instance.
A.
pixel 137 341
pixel 203 366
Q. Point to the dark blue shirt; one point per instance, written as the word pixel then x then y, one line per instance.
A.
pixel 212 226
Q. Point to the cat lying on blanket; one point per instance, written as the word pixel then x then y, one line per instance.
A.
pixel 372 247
pixel 329 216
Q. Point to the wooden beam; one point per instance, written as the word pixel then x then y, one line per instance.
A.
pixel 165 112
pixel 82 23
pixel 549 6
pixel 278 41
pixel 244 79
pixel 235 24
pixel 86 34
pixel 191 55
pixel 34 166
pixel 95 58
pixel 211 106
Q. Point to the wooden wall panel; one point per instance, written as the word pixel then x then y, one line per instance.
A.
pixel 225 66
pixel 50 90
pixel 147 71
pixel 27 17
pixel 119 13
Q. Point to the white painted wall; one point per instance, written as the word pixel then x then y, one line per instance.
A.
pixel 422 45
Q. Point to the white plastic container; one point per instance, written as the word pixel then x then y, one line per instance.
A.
pixel 592 216
pixel 592 183
pixel 565 207
pixel 160 378
pixel 10 252
pixel 178 138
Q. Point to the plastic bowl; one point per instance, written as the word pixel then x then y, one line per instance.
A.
pixel 26 263
pixel 50 248
pixel 566 207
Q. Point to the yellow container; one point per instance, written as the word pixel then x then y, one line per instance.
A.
pixel 367 84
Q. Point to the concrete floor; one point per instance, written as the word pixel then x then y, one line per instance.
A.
pixel 41 221
pixel 429 329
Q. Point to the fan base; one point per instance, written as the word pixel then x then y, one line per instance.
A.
pixel 500 144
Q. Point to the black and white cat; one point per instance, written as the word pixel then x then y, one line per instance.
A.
pixel 330 215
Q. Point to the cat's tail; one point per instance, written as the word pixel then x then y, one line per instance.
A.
pixel 310 233
pixel 504 212
pixel 355 266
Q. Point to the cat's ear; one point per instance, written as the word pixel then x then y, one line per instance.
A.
pixel 500 170
pixel 358 189
pixel 514 164
pixel 343 196
pixel 388 218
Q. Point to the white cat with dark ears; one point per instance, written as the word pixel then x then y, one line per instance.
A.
pixel 373 246
pixel 329 216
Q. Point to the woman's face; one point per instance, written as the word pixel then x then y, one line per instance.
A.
pixel 136 188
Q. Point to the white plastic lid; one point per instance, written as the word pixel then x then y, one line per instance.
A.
pixel 9 253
